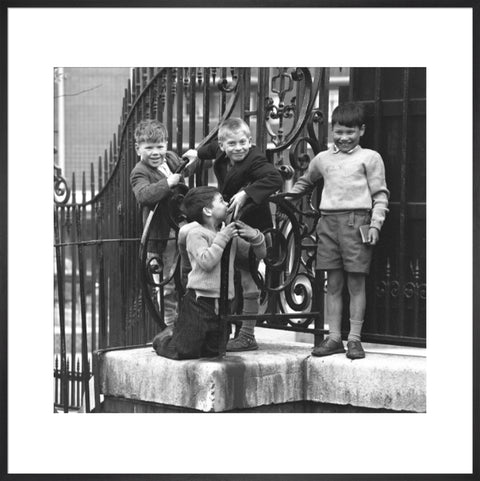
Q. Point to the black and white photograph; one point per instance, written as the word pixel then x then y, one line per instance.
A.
pixel 234 263
pixel 280 298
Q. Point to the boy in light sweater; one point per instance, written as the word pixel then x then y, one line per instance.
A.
pixel 355 194
pixel 197 331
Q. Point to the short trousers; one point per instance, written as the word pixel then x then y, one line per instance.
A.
pixel 340 244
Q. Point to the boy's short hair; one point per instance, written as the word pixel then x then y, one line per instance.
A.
pixel 350 114
pixel 233 125
pixel 150 130
pixel 196 199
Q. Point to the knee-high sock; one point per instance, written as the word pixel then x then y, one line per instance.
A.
pixel 250 306
pixel 355 330
pixel 335 329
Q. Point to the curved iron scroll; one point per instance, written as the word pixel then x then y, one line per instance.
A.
pixel 286 277
pixel 61 189
pixel 154 265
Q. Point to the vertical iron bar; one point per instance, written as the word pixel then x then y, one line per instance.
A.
pixel 377 110
pixel 223 302
pixel 223 95
pixel 69 386
pixel 318 304
pixel 93 264
pixel 77 380
pixel 205 120
pixel 388 294
pixel 83 308
pixel 263 79
pixel 102 309
pixel 377 125
pixel 61 308
pixel 73 276
pixel 179 114
pixel 55 375
pixel 192 117
pixel 170 98
pixel 351 86
pixel 245 96
pixel 324 105
pixel 416 297
pixel 402 252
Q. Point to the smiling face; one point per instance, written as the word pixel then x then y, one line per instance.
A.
pixel 347 138
pixel 236 145
pixel 152 153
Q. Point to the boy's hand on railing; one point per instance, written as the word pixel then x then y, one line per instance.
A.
pixel 174 179
pixel 245 231
pixel 230 230
pixel 192 156
pixel 237 202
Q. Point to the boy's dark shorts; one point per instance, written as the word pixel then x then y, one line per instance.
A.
pixel 198 331
pixel 340 244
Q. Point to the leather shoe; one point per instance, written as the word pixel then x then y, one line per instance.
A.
pixel 355 350
pixel 328 346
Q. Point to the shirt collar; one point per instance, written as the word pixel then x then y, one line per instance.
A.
pixel 336 150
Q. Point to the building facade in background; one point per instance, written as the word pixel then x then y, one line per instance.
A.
pixel 88 104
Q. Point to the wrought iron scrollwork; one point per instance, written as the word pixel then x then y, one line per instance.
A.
pixel 226 85
pixel 392 288
pixel 61 189
pixel 287 273
pixel 152 269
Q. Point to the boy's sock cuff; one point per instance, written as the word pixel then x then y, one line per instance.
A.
pixel 355 330
pixel 335 336
pixel 247 329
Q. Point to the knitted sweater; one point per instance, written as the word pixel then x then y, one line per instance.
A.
pixel 353 180
pixel 205 249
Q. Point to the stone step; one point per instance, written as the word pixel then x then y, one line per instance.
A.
pixel 278 373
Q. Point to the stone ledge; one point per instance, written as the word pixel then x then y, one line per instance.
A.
pixel 384 381
pixel 278 373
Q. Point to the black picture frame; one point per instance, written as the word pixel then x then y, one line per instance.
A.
pixel 6 264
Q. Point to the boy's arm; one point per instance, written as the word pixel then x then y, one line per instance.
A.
pixel 250 236
pixel 307 181
pixel 259 246
pixel 264 178
pixel 146 192
pixel 207 256
pixel 375 171
pixel 207 153
pixel 210 151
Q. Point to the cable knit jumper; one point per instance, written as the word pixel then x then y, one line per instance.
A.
pixel 353 180
pixel 205 249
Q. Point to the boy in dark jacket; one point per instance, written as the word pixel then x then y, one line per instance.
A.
pixel 152 180
pixel 246 179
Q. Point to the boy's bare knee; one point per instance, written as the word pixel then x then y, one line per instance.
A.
pixel 335 282
pixel 356 283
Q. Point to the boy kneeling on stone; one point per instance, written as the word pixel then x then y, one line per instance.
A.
pixel 197 332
